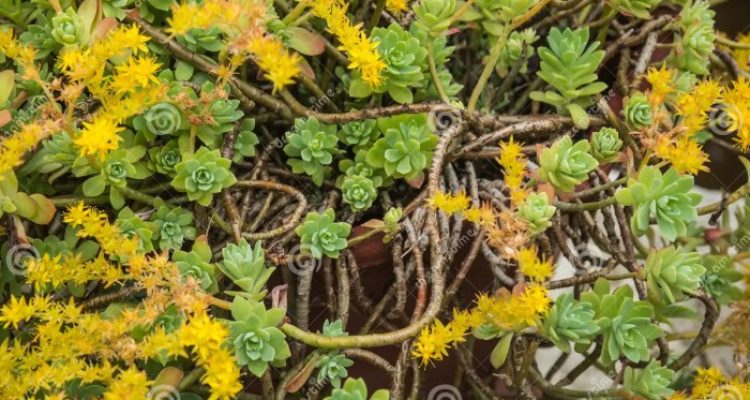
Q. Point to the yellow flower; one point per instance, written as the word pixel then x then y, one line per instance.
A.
pixel 662 85
pixel 706 381
pixel 362 52
pixel 98 138
pixel 449 203
pixel 136 72
pixel 433 343
pixel 281 67
pixel 482 215
pixel 742 55
pixel 129 384
pixel 513 162
pixel 16 311
pixel 396 6
pixel 532 266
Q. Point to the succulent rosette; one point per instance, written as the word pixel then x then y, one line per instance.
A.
pixel 565 165
pixel 203 174
pixel 320 235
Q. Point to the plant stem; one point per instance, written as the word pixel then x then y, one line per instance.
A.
pixel 577 207
pixel 434 72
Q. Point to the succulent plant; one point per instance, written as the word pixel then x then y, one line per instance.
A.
pixel 605 145
pixel 132 225
pixel 258 342
pixel 159 120
pixel 639 8
pixel 244 146
pixel 672 272
pixel 246 266
pixel 68 28
pixel 720 278
pixel 391 220
pixel 569 66
pixel 695 42
pixel 311 146
pixel 651 382
pixel 320 235
pixel 565 164
pixel 39 36
pixel 625 324
pixel 359 192
pixel 172 226
pixel 569 321
pixel 333 329
pixel 518 45
pixel 118 166
pixel 360 167
pixel 163 159
pixel 434 15
pixel 497 13
pixel 637 111
pixel 196 265
pixel 359 134
pixel 356 389
pixel 667 198
pixel 202 174
pixel 406 60
pixel 406 148
pixel 537 212
pixel 332 368
pixel 223 114
pixel 197 39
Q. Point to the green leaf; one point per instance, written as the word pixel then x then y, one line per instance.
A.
pixel 94 186
pixel 7 80
pixel 183 71
pixel 304 41
pixel 500 352
pixel 359 88
pixel 401 95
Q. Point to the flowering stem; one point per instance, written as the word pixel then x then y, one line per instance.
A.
pixel 732 43
pixel 376 15
pixel 295 13
pixel 577 207
pixel 133 194
pixel 434 72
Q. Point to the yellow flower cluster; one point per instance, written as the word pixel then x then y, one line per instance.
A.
pixel 662 84
pixel 513 162
pixel 67 340
pixel 243 24
pixel 693 106
pixel 737 104
pixel 711 383
pixel 127 92
pixel 396 6
pixel 742 54
pixel 26 138
pixel 450 203
pixel 362 52
pixel 503 311
pixel 20 53
pixel 684 153
pixel 532 266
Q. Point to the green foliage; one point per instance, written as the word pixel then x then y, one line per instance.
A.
pixel 172 226
pixel 651 382
pixel 246 266
pixel 196 265
pixel 667 198
pixel 518 48
pixel 359 192
pixel 132 225
pixel 637 111
pixel 569 321
pixel 203 174
pixel 359 134
pixel 164 159
pixel 569 66
pixel 202 40
pixel 406 60
pixel 159 120
pixel 537 212
pixel 721 277
pixel 406 148
pixel 625 324
pixel 356 389
pixel 360 167
pixel 257 341
pixel 434 15
pixel 311 146
pixel 69 246
pixel 114 172
pixel 496 13
pixel 332 368
pixel 672 272
pixel 68 29
pixel 320 235
pixel 639 8
pixel 605 145
pixel 244 146
pixel 390 221
pixel 35 207
pixel 565 164
pixel 695 42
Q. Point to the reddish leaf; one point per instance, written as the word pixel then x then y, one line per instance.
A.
pixel 304 41
pixel 296 383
